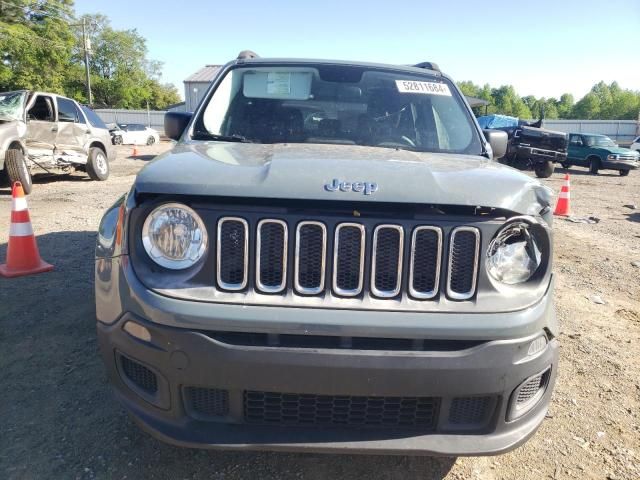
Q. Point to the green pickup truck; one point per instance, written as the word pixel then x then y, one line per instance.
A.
pixel 599 152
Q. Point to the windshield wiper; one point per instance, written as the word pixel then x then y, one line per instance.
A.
pixel 222 138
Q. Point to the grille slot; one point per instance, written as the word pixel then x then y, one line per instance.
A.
pixel 271 256
pixel 386 267
pixel 232 253
pixel 139 375
pixel 463 263
pixel 424 270
pixel 311 257
pixel 348 259
pixel 470 411
pixel 309 409
pixel 207 402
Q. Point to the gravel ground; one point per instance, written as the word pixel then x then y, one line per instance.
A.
pixel 58 418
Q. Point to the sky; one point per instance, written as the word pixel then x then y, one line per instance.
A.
pixel 541 47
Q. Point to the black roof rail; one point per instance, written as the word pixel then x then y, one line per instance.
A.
pixel 428 65
pixel 246 54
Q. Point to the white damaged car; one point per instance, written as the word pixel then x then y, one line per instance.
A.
pixel 51 132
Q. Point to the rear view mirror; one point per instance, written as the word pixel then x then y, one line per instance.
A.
pixel 175 124
pixel 498 141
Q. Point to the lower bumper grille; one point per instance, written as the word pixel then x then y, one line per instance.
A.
pixel 207 402
pixel 299 409
pixel 139 375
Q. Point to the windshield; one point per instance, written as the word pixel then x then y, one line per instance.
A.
pixel 600 141
pixel 12 105
pixel 347 105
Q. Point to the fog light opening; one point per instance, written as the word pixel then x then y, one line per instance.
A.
pixel 138 331
pixel 528 394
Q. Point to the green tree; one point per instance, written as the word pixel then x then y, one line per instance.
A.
pixel 35 44
pixel 122 76
pixel 565 106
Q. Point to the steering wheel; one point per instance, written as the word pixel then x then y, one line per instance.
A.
pixel 391 142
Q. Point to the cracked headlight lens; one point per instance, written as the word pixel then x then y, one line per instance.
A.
pixel 174 236
pixel 513 255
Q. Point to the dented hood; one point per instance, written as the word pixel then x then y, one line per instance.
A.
pixel 301 171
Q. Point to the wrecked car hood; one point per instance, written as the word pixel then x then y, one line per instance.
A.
pixel 307 171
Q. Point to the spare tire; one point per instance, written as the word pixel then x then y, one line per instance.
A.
pixel 17 171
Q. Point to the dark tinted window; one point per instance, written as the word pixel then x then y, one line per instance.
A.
pixel 67 110
pixel 93 118
pixel 136 127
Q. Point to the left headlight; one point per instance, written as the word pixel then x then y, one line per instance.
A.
pixel 513 255
pixel 174 236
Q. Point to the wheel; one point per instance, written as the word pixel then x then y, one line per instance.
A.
pixel 17 171
pixel 117 140
pixel 594 165
pixel 97 164
pixel 624 173
pixel 544 169
pixel 151 140
pixel 565 165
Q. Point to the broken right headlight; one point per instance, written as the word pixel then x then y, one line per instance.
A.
pixel 513 255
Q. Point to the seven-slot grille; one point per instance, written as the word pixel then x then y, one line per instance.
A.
pixel 348 266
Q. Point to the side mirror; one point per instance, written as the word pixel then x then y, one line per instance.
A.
pixel 498 141
pixel 175 124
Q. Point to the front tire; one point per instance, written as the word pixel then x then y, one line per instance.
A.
pixel 97 165
pixel 17 171
pixel 624 173
pixel 151 140
pixel 565 165
pixel 594 165
pixel 117 140
pixel 544 169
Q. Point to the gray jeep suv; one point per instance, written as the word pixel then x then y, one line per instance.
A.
pixel 330 259
pixel 52 132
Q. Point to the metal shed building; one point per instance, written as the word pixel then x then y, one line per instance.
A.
pixel 195 85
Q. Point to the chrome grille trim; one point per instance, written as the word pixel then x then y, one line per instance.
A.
pixel 374 289
pixel 412 291
pixel 221 283
pixel 259 285
pixel 336 243
pixel 296 279
pixel 463 295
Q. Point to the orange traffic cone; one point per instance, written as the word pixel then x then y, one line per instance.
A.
pixel 23 257
pixel 135 151
pixel 562 207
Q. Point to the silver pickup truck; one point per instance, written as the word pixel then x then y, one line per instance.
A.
pixel 52 132
pixel 330 259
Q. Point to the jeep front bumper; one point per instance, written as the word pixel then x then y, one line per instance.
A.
pixel 192 386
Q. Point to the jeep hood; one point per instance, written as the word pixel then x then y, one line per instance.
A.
pixel 300 172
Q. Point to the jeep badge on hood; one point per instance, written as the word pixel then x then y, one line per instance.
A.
pixel 361 187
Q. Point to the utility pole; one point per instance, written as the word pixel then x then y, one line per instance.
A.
pixel 85 46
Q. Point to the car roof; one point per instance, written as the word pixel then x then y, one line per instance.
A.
pixel 346 63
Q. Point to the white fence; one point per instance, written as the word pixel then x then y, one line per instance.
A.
pixel 621 131
pixel 151 118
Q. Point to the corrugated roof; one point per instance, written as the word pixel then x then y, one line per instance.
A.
pixel 205 74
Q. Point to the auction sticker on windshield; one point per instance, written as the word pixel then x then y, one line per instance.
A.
pixel 428 88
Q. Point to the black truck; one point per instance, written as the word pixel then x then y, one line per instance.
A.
pixel 530 145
